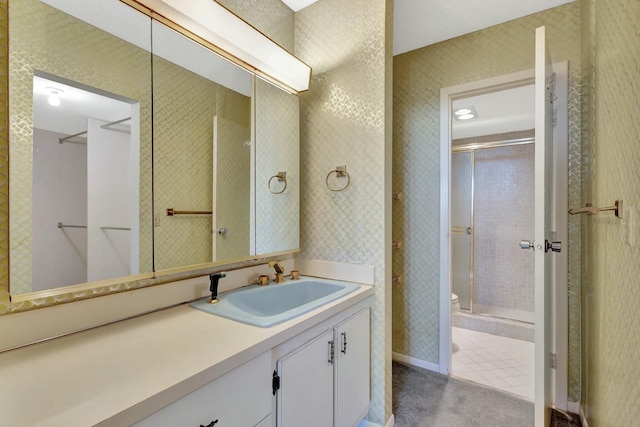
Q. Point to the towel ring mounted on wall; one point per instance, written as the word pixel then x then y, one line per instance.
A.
pixel 341 172
pixel 281 177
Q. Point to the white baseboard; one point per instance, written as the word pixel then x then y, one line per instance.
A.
pixel 583 417
pixel 578 408
pixel 390 423
pixel 573 407
pixel 415 362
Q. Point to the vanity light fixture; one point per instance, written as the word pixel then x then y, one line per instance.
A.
pixel 54 97
pixel 465 113
pixel 214 26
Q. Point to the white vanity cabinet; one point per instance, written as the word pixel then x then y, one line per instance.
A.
pixel 241 397
pixel 325 381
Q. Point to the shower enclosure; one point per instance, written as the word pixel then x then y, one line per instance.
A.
pixel 491 208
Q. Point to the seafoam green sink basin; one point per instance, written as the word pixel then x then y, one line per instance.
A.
pixel 269 305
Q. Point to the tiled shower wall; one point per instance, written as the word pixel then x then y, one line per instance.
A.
pixel 344 121
pixel 611 295
pixel 502 215
pixel 418 77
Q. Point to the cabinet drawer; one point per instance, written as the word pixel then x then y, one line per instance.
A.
pixel 241 397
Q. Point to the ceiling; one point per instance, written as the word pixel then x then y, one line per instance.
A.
pixel 76 105
pixel 419 23
pixel 503 111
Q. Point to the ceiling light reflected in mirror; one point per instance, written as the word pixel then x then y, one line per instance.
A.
pixel 54 97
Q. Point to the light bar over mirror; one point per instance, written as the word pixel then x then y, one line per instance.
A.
pixel 234 39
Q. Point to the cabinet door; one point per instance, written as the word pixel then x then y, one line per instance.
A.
pixel 352 370
pixel 241 397
pixel 305 397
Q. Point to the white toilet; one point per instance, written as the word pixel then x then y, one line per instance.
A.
pixel 455 304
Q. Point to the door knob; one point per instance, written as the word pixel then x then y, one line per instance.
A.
pixel 554 246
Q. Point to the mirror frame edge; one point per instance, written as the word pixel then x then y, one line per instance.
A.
pixel 50 297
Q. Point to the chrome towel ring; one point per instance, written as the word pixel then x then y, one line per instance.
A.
pixel 341 172
pixel 281 177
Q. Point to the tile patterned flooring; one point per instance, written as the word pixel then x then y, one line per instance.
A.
pixel 503 363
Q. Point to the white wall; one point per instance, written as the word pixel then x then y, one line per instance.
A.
pixel 59 195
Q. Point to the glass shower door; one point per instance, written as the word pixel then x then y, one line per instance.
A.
pixel 462 226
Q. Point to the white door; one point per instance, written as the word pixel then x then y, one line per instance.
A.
pixel 305 397
pixel 231 180
pixel 109 201
pixel 543 223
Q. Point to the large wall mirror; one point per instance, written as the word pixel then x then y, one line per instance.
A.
pixel 128 159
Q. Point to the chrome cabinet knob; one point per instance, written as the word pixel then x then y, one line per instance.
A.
pixel 222 231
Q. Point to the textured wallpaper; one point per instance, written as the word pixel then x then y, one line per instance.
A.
pixel 418 77
pixel 343 122
pixel 184 107
pixel 44 39
pixel 277 145
pixel 272 17
pixel 611 295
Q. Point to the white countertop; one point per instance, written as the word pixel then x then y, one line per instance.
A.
pixel 120 373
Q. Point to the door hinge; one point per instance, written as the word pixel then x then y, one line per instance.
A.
pixel 275 382
pixel 555 117
pixel 554 361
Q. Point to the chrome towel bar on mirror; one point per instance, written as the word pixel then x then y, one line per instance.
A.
pixel 592 210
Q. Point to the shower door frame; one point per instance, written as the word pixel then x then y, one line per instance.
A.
pixel 472 148
pixel 559 309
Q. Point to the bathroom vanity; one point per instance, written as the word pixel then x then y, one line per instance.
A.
pixel 182 366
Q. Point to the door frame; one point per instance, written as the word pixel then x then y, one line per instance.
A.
pixel 560 308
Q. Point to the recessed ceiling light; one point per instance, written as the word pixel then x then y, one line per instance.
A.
pixel 465 113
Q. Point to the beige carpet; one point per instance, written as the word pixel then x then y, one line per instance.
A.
pixel 424 398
